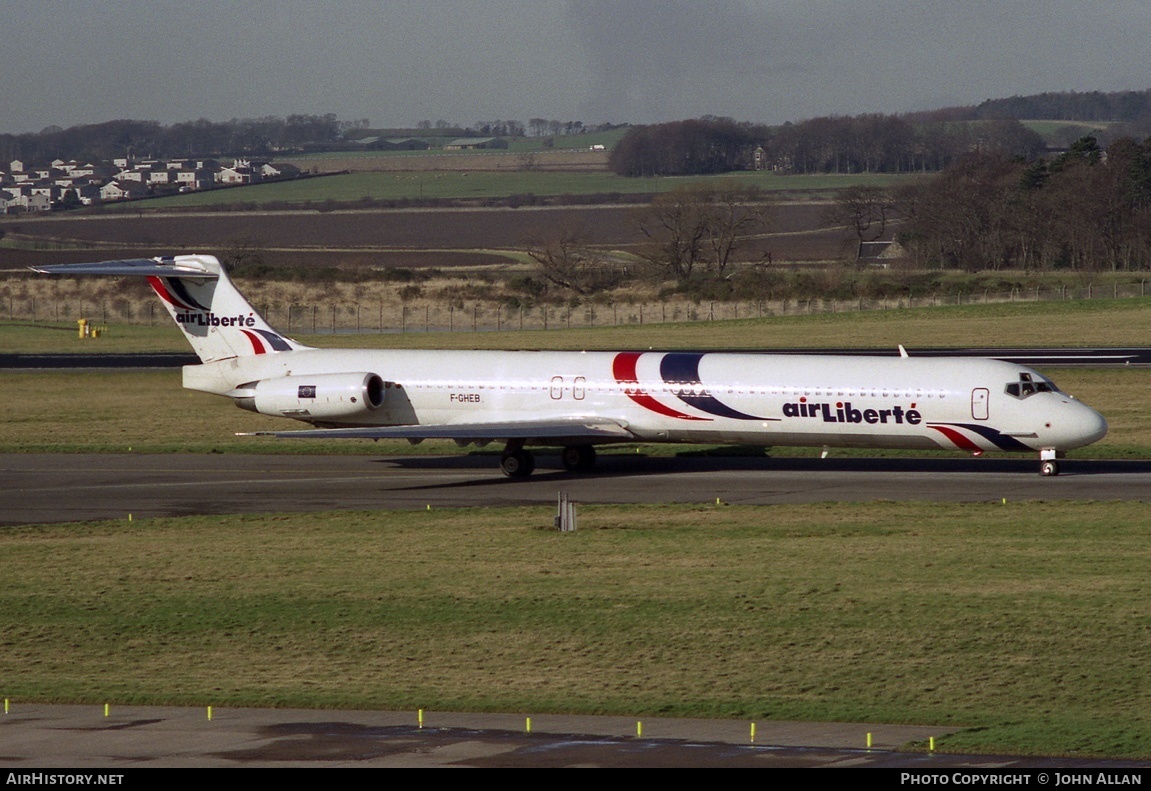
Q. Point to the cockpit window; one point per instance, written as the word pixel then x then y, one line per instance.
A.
pixel 1029 385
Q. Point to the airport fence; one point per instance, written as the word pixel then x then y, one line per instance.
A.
pixel 432 316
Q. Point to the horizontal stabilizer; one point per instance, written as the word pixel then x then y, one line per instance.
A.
pixel 573 428
pixel 138 267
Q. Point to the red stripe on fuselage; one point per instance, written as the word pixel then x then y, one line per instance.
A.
pixel 959 440
pixel 623 368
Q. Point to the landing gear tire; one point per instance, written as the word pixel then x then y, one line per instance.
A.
pixel 1048 468
pixel 517 463
pixel 577 458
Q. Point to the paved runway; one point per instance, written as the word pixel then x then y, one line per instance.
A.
pixel 67 487
pixel 129 738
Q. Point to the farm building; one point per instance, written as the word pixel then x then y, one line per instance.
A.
pixel 475 143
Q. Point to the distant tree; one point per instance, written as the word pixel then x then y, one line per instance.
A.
pixel 699 227
pixel 866 210
pixel 680 148
pixel 245 252
pixel 567 261
pixel 964 218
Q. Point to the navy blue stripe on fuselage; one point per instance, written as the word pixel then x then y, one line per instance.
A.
pixel 680 370
pixel 1000 439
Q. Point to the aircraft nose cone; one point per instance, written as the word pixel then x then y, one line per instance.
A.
pixel 1095 425
pixel 1086 426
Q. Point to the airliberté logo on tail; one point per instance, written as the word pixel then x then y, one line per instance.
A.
pixel 210 319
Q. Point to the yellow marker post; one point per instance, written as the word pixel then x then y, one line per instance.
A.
pixel 420 717
pixel 869 740
pixel 107 709
pixel 931 743
pixel 5 705
pixel 638 729
pixel 209 714
pixel 528 725
pixel 753 733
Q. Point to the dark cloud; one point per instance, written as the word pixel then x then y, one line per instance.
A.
pixel 400 61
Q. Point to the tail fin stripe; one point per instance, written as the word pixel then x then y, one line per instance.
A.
pixel 164 288
pixel 275 341
pixel 257 344
pixel 180 290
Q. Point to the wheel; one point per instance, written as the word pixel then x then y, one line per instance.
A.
pixel 1048 468
pixel 517 463
pixel 577 457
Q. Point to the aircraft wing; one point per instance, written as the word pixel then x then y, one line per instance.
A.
pixel 553 429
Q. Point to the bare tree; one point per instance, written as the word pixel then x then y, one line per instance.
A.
pixel 865 210
pixel 735 215
pixel 568 262
pixel 699 227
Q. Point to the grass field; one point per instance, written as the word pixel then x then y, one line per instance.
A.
pixel 1023 624
pixel 1097 322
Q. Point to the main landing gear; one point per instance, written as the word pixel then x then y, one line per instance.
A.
pixel 517 462
pixel 578 458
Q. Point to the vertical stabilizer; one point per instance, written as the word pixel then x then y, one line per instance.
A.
pixel 200 297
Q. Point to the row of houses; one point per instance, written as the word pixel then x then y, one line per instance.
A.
pixel 72 184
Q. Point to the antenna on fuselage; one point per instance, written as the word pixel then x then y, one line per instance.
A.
pixel 902 351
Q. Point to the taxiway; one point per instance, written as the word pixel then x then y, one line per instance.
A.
pixel 77 487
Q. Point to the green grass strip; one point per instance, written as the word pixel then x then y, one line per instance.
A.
pixel 1024 624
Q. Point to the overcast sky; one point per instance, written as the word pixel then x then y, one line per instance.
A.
pixel 397 62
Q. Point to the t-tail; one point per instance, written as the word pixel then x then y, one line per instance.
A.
pixel 215 318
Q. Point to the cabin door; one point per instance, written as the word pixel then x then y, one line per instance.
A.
pixel 979 399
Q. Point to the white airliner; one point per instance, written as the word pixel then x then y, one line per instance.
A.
pixel 577 400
